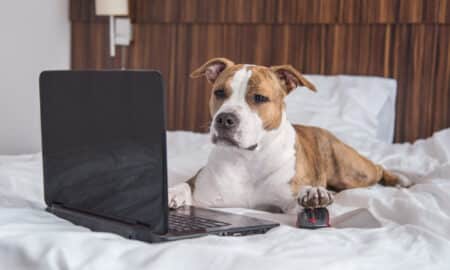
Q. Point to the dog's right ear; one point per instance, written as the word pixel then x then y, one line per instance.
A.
pixel 212 69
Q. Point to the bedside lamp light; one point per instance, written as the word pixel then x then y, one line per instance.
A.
pixel 112 8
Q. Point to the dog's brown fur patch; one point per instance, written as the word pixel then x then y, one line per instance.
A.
pixel 323 160
pixel 264 82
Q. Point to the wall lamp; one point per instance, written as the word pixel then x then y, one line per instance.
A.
pixel 120 32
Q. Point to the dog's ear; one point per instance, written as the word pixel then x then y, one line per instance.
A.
pixel 212 69
pixel 291 78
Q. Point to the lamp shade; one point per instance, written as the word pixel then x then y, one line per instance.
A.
pixel 111 7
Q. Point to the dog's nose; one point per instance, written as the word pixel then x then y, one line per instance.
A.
pixel 226 121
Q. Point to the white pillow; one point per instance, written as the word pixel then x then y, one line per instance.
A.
pixel 356 106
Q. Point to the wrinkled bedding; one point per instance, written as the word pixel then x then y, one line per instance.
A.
pixel 414 231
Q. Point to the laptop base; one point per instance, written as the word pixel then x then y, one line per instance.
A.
pixel 144 233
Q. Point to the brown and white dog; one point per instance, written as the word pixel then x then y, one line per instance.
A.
pixel 262 161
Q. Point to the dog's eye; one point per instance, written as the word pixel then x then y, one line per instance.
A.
pixel 220 93
pixel 260 99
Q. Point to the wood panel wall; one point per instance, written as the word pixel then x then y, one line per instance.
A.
pixel 408 40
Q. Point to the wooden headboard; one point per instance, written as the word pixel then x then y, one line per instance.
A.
pixel 408 40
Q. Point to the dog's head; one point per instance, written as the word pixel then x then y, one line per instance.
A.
pixel 247 100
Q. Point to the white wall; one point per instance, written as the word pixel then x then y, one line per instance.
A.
pixel 34 35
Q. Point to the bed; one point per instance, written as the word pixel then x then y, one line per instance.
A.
pixel 412 227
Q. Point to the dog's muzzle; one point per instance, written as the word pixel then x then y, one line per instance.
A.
pixel 226 125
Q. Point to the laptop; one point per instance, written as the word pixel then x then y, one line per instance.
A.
pixel 104 159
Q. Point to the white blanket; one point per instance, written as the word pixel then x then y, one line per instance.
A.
pixel 415 232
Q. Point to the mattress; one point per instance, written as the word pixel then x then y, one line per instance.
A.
pixel 413 228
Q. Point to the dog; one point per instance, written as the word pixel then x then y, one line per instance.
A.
pixel 259 159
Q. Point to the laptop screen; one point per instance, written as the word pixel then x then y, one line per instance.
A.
pixel 103 142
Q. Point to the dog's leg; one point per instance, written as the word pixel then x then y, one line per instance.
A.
pixel 367 174
pixel 314 197
pixel 349 169
pixel 182 194
pixel 179 195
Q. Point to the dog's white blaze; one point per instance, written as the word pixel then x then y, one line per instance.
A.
pixel 239 85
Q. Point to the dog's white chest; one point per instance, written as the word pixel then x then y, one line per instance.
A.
pixel 233 178
pixel 238 185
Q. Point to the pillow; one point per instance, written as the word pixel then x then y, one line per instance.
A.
pixel 348 106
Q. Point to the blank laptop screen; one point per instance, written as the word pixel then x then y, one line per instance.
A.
pixel 103 141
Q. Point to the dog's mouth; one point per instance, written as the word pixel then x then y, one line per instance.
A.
pixel 231 142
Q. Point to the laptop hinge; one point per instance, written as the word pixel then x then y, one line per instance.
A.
pixel 104 224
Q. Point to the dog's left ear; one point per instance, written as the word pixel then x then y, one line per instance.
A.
pixel 212 68
pixel 291 78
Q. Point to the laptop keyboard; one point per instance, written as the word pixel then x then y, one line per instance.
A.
pixel 184 223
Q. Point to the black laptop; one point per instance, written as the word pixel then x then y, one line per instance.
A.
pixel 104 157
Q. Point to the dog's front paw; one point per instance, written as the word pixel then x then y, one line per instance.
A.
pixel 179 196
pixel 314 197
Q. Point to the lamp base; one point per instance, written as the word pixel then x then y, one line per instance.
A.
pixel 112 38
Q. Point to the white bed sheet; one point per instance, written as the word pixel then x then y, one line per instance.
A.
pixel 415 230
